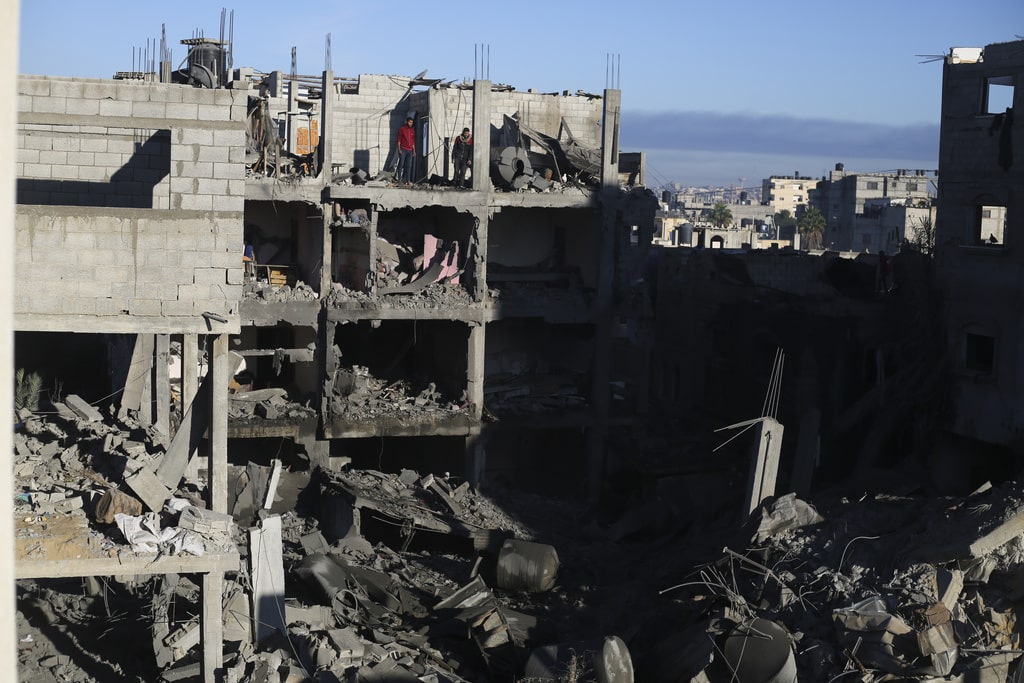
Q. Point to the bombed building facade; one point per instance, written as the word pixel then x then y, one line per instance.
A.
pixel 224 290
pixel 276 380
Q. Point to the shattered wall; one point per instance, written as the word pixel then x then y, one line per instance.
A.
pixel 130 205
pixel 982 169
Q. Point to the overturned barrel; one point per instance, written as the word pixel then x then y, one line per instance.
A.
pixel 588 662
pixel 526 566
pixel 759 651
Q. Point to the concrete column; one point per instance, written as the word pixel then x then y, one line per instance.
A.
pixel 162 381
pixel 372 236
pixel 482 220
pixel 326 151
pixel 189 388
pixel 602 307
pixel 8 119
pixel 217 481
pixel 610 138
pixel 476 460
pixel 765 467
pixel 212 627
pixel 482 136
pixel 475 368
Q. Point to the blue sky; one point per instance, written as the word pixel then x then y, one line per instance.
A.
pixel 712 91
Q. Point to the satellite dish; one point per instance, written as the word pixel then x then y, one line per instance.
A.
pixel 420 75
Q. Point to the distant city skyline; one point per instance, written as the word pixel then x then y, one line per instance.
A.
pixel 711 91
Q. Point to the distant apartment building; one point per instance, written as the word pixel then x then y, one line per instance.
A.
pixel 787 192
pixel 851 204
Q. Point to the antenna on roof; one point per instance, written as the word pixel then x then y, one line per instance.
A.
pixel 930 58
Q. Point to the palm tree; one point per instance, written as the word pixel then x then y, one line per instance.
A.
pixel 720 215
pixel 812 226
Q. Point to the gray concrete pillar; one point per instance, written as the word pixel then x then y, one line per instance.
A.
pixel 765 467
pixel 326 151
pixel 610 138
pixel 162 380
pixel 482 136
pixel 475 367
pixel 189 388
pixel 217 481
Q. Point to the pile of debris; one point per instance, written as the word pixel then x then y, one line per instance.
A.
pixel 262 290
pixel 434 295
pixel 359 395
pixel 886 588
pixel 532 394
pixel 267 404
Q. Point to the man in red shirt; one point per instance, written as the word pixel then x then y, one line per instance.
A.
pixel 406 151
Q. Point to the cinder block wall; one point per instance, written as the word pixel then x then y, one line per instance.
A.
pixel 130 205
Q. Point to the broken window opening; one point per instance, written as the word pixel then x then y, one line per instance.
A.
pixel 425 254
pixel 979 352
pixel 282 246
pixel 404 370
pixel 998 95
pixel 989 228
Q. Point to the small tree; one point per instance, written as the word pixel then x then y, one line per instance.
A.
pixel 720 215
pixel 922 235
pixel 812 227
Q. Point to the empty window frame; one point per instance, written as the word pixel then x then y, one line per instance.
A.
pixel 872 185
pixel 998 95
pixel 979 352
pixel 989 225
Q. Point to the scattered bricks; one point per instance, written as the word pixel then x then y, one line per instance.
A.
pixel 49 662
pixel 83 409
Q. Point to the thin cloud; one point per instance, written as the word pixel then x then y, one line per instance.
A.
pixel 773 134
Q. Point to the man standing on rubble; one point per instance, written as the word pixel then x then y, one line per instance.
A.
pixel 406 151
pixel 462 156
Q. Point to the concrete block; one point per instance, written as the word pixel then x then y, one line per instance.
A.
pixel 108 159
pixel 226 203
pixel 34 86
pixel 193 136
pixel 209 276
pixel 27 156
pixel 80 107
pixel 149 110
pixel 229 137
pixel 193 169
pixel 90 144
pixel 182 111
pixel 132 91
pixel 98 91
pixel 196 202
pixel 61 172
pixel 229 171
pixel 165 93
pixel 53 157
pixel 148 488
pixel 83 409
pixel 177 308
pixel 93 173
pixel 81 158
pixel 149 307
pixel 211 186
pixel 214 112
pixel 49 105
pixel 213 153
pixel 184 185
pixel 36 141
pixel 115 108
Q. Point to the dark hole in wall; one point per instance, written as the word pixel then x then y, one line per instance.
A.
pixel 68 363
pixel 424 454
pixel 417 351
pixel 543 461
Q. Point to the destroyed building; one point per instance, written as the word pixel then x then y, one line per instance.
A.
pixel 980 217
pixel 221 263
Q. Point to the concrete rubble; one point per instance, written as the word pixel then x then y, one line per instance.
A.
pixel 413 576
pixel 360 395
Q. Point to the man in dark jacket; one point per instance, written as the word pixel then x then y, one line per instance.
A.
pixel 462 156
